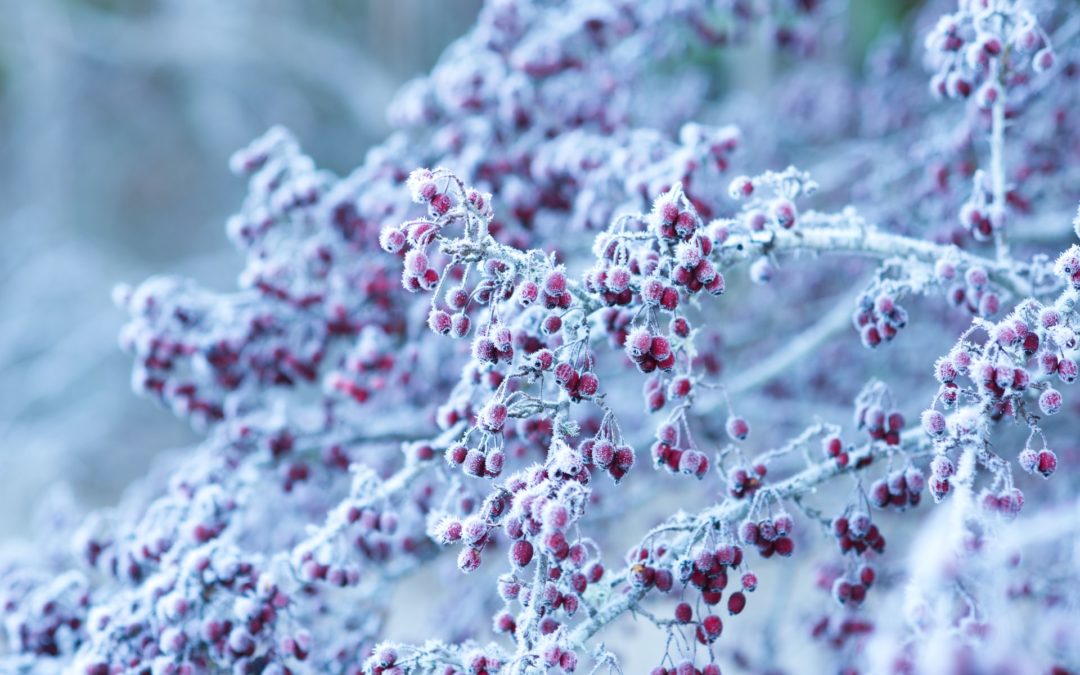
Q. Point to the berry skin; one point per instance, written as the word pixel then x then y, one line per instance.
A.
pixel 552 324
pixel 693 463
pixel 667 433
pixel 832 446
pixel 766 530
pixel 785 546
pixel 749 581
pixel 713 626
pixel 588 385
pixel 683 613
pixel 680 327
pixel 680 387
pixel 841 591
pixel 1046 463
pixel 440 322
pixel 603 454
pixel 840 526
pixel 521 553
pixel 939 488
pixel 866 575
pixel 474 463
pixel 736 602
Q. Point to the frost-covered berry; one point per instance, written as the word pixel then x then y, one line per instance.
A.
pixel 741 187
pixel 933 423
pixel 527 293
pixel 1046 463
pixel 748 533
pixel 1028 460
pixel 521 553
pixel 737 428
pixel 1067 370
pixel 1050 401
pixel 588 385
pixel 713 626
pixel 1043 60
pixel 638 342
pixel 439 322
pixel 736 603
pixel 455 454
pixel 468 560
pixel 783 213
pixel 680 387
pixel 693 463
pixel 942 467
pixel 392 239
pixel 493 417
pixel 555 282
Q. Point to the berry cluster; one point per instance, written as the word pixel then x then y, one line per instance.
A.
pixel 899 489
pixel 770 535
pixel 984 44
pixel 673 219
pixel 606 452
pixel 976 293
pixel 1044 461
pixel 769 199
pixel 666 454
pixel 578 383
pixel 875 413
pixel 878 319
pixel 693 270
pixel 649 351
pixel 833 448
pixel 1007 503
pixel 743 482
pixel 856 534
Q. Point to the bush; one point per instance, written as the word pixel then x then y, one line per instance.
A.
pixel 519 339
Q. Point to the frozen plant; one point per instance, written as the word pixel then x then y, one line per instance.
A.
pixel 506 384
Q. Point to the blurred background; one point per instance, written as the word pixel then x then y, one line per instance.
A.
pixel 117 118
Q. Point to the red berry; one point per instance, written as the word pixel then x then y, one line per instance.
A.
pixel 736 602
